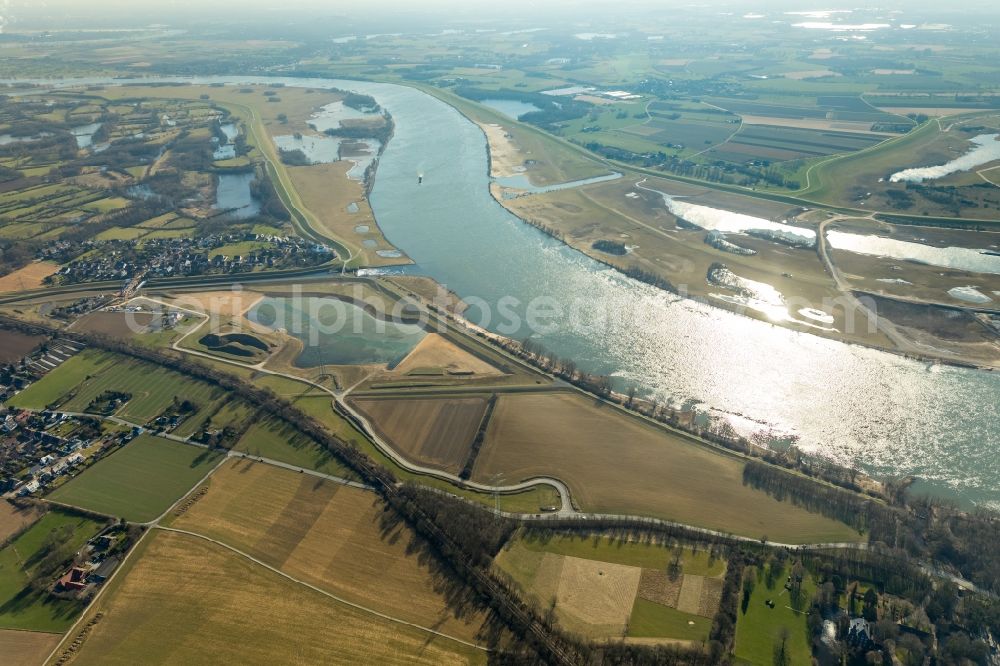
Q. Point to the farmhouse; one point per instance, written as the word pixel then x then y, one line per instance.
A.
pixel 74 579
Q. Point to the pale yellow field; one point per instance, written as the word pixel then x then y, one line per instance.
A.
pixel 13 519
pixel 326 190
pixel 232 303
pixel 28 277
pixel 25 648
pixel 595 599
pixel 330 536
pixel 435 351
pixel 614 463
pixel 188 601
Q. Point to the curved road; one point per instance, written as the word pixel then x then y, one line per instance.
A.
pixel 338 399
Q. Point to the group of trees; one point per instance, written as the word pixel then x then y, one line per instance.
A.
pixel 861 513
pixel 465 538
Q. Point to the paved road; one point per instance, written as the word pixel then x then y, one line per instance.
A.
pixel 338 399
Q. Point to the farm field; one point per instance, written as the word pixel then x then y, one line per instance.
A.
pixel 73 372
pixel 186 600
pixel 863 177
pixel 435 431
pixel 332 536
pixel 268 438
pixel 117 324
pixel 26 648
pixel 760 628
pixel 604 589
pixel 75 383
pixel 139 481
pixel 654 473
pixel 15 345
pixel 20 606
pixel 634 554
pixel 31 276
pixel 13 519
pixel 652 620
pixel 778 143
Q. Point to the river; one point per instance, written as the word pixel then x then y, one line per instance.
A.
pixel 888 415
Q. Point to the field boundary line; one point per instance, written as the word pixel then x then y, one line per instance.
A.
pixel 341 600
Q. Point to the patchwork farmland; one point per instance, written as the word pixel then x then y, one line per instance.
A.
pixel 230 609
pixel 604 589
pixel 436 431
pixel 335 537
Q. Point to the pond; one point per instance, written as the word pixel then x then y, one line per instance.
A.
pixel 963 258
pixel 317 149
pixel 335 332
pixel 511 108
pixel 7 139
pixel 85 134
pixel 522 182
pixel 331 115
pixel 985 149
pixel 233 194
pixel 717 219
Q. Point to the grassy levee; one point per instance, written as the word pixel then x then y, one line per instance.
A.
pixel 302 218
pixel 822 178
pixel 182 599
pixel 140 481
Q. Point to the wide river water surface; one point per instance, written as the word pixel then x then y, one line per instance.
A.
pixel 887 414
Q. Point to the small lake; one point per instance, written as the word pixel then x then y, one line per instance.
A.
pixel 334 332
pixel 969 295
pixel 328 149
pixel 227 150
pixel 331 115
pixel 85 134
pixel 962 258
pixel 233 194
pixel 511 108
pixel 717 219
pixel 230 130
pixel 7 139
pixel 522 182
pixel 985 149
pixel 317 149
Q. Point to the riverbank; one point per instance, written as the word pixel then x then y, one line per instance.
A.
pixel 499 142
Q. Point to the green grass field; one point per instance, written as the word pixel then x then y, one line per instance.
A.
pixel 652 620
pixel 634 554
pixel 90 373
pixel 22 608
pixel 140 481
pixel 55 384
pixel 153 389
pixel 278 441
pixel 759 629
